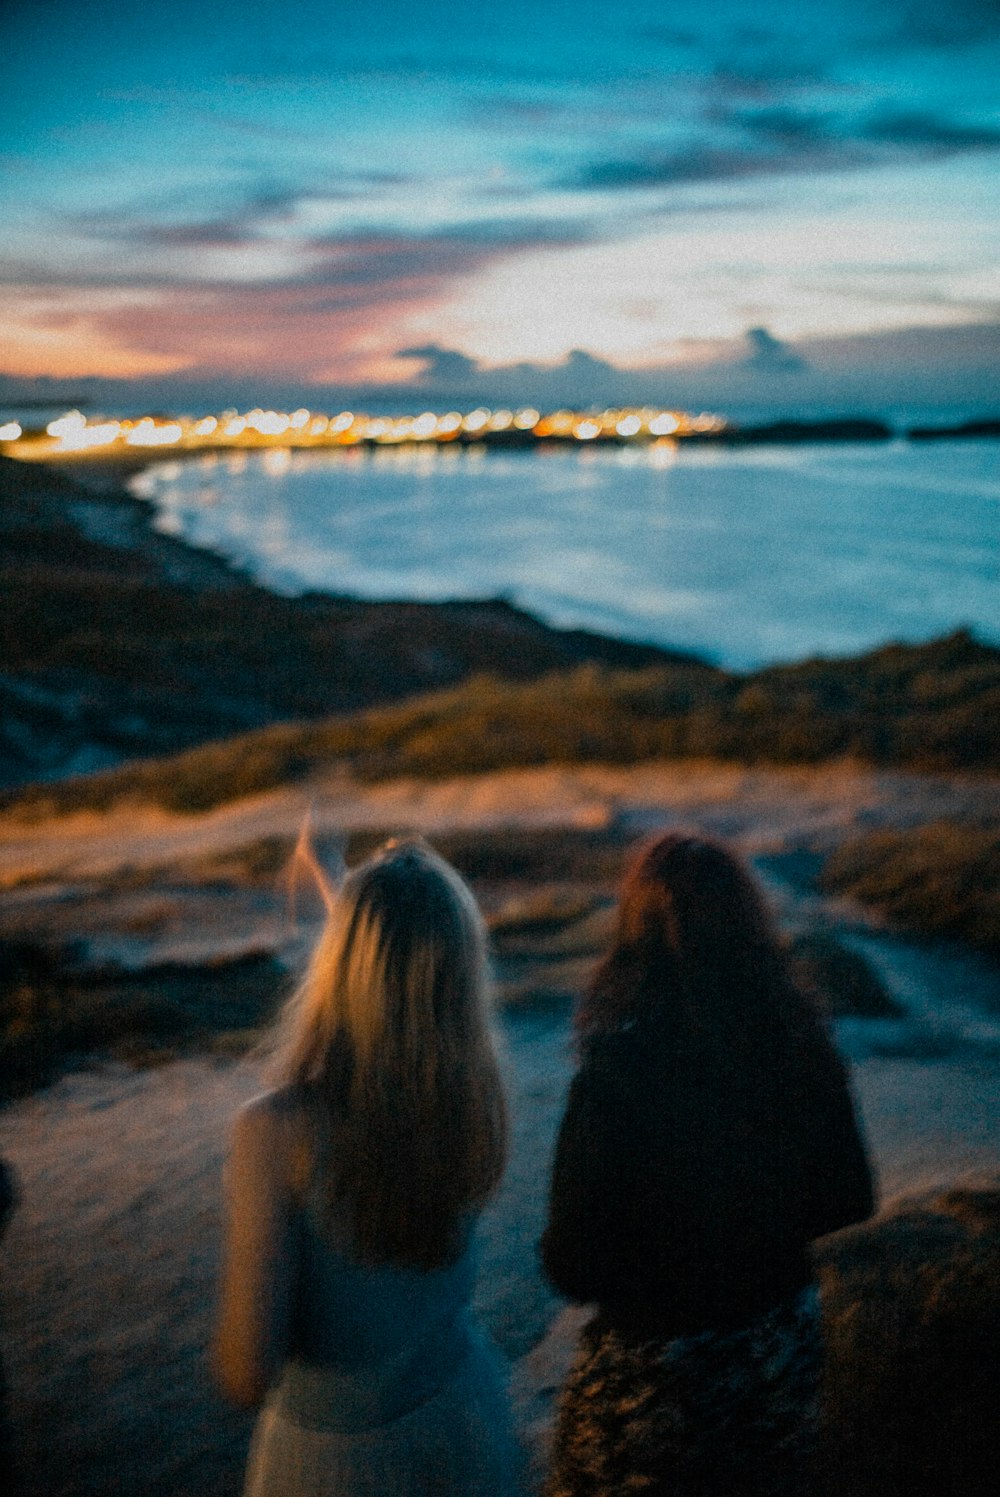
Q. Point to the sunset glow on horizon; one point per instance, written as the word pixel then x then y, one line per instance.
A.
pixel 417 200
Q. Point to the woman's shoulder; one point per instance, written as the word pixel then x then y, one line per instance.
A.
pixel 274 1112
pixel 277 1128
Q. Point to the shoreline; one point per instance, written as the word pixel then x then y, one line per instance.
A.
pixel 124 643
pixel 127 644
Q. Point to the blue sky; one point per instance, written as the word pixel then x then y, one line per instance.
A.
pixel 790 201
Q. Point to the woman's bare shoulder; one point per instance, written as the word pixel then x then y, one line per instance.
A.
pixel 284 1104
pixel 275 1121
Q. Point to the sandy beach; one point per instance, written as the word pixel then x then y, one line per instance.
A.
pixel 107 1273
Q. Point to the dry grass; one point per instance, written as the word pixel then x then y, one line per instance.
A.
pixel 938 880
pixel 137 644
pixel 928 707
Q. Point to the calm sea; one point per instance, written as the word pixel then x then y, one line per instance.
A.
pixel 749 556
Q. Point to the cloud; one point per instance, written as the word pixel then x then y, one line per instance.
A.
pixel 667 35
pixel 732 144
pixel 788 40
pixel 973 346
pixel 211 234
pixel 788 127
pixel 264 207
pixel 928 23
pixel 450 377
pixel 389 264
pixel 442 365
pixel 768 355
pixel 777 148
pixel 930 366
pixel 267 242
pixel 677 165
pixel 319 68
pixel 932 134
pixel 381 260
pixel 212 296
pixel 581 379
pixel 908 368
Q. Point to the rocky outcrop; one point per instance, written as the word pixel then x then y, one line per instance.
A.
pixel 911 1311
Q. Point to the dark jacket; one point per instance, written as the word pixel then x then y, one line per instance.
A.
pixel 8 1194
pixel 683 1200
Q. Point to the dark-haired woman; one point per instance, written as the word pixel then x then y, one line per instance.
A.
pixel 353 1191
pixel 709 1137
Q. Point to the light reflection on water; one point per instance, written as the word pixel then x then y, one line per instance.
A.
pixel 753 555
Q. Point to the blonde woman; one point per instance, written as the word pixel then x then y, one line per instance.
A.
pixel 353 1191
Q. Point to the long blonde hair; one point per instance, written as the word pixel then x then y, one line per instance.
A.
pixel 389 1034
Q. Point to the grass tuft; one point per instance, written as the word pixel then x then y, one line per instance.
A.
pixel 942 879
pixel 927 707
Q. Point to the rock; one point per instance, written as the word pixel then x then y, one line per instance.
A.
pixel 842 981
pixel 911 1317
pixel 911 1309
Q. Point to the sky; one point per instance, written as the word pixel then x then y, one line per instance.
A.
pixel 787 203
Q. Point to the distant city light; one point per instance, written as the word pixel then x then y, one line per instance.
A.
pixel 279 432
pixel 269 423
pixel 149 434
pixel 101 434
pixel 73 433
pixel 65 426
pixel 559 424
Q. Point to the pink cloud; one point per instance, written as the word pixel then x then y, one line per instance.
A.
pixel 339 315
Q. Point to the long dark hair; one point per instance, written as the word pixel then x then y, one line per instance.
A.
pixel 696 962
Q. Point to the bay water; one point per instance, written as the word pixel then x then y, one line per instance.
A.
pixel 745 555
